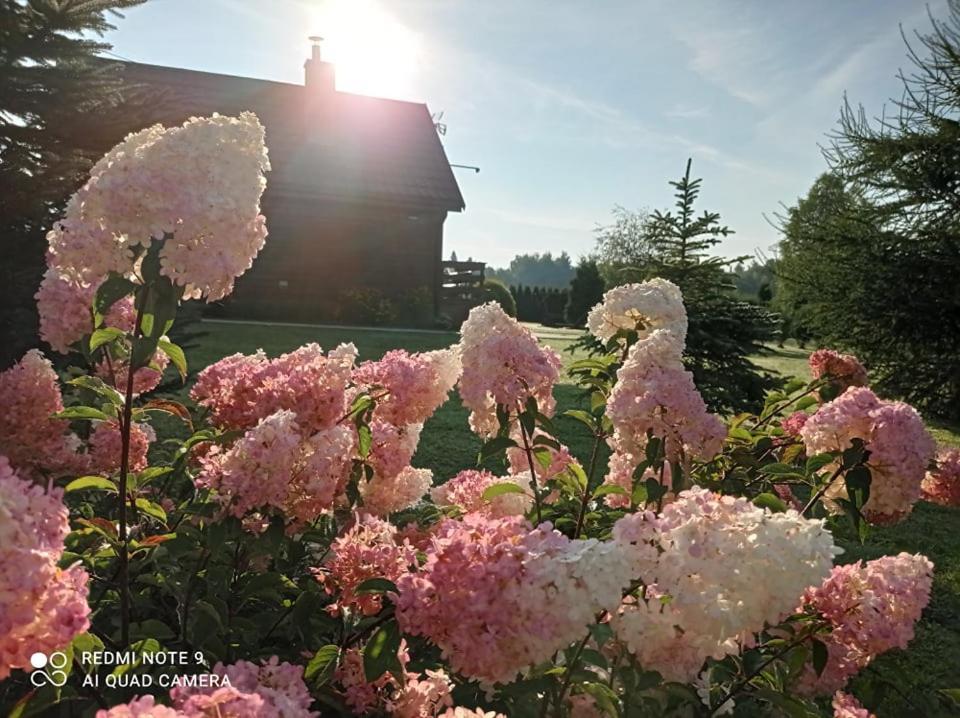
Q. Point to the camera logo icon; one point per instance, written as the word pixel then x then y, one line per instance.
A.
pixel 49 669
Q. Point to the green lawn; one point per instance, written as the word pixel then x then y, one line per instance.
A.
pixel 447 446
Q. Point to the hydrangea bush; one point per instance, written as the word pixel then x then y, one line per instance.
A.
pixel 275 529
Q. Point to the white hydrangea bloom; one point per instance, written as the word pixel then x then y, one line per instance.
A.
pixel 644 307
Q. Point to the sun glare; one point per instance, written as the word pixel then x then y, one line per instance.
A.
pixel 374 53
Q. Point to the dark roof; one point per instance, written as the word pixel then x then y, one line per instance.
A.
pixel 322 144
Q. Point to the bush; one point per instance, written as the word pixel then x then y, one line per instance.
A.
pixel 366 306
pixel 280 537
pixel 496 291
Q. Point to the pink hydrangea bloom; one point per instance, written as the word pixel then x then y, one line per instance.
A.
pixel 655 393
pixel 65 308
pixel 695 607
pixel 225 702
pixel 845 370
pixel 459 712
pixel 279 684
pixel 900 448
pixel 846 706
pixel 106 445
pixel 145 707
pixel 359 694
pixel 503 363
pixel 198 184
pixel 422 696
pixel 228 388
pixel 384 495
pixel 411 387
pixel 392 447
pixel 371 548
pixel 465 491
pixel 498 596
pixel 33 441
pixel 145 379
pixel 646 307
pixel 871 608
pixel 240 390
pixel 42 607
pixel 321 473
pixel 793 423
pixel 942 484
pixel 256 471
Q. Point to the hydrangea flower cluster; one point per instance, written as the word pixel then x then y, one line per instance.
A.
pixel 871 608
pixel 384 495
pixel 411 386
pixel 371 548
pixel 695 607
pixel 844 370
pixel 41 606
pixel 241 390
pixel 465 491
pixel 792 424
pixel 278 685
pixel 846 706
pixel 498 596
pixel 655 394
pixel 503 363
pixel 256 471
pixel 197 185
pixel 144 707
pixel 34 442
pixel 643 308
pixel 106 445
pixel 64 305
pixel 942 484
pixel 145 379
pixel 900 448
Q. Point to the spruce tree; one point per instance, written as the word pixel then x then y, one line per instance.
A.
pixel 724 329
pixel 586 290
pixel 48 76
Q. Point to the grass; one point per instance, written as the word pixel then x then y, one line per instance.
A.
pixel 447 446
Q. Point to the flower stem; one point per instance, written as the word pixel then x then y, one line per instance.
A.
pixel 125 426
pixel 533 472
pixel 586 492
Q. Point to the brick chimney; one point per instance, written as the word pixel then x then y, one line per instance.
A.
pixel 318 74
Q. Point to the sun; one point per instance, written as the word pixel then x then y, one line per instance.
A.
pixel 374 53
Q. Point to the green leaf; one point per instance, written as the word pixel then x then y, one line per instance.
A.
pixel 83 412
pixel 114 288
pixel 543 455
pixel 805 403
pixel 380 653
pixel 771 502
pixel 177 357
pixel 100 387
pixel 603 695
pixel 142 351
pixel 496 445
pixel 544 440
pixel 793 385
pixel 640 496
pixel 105 336
pixel 652 450
pixel 817 462
pixel 780 470
pixel 321 666
pixel 364 440
pixel 506 487
pixel 607 489
pixel 90 482
pixel 152 509
pixel 584 417
pixel 376 585
pixel 820 656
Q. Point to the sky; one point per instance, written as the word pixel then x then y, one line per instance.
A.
pixel 570 108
